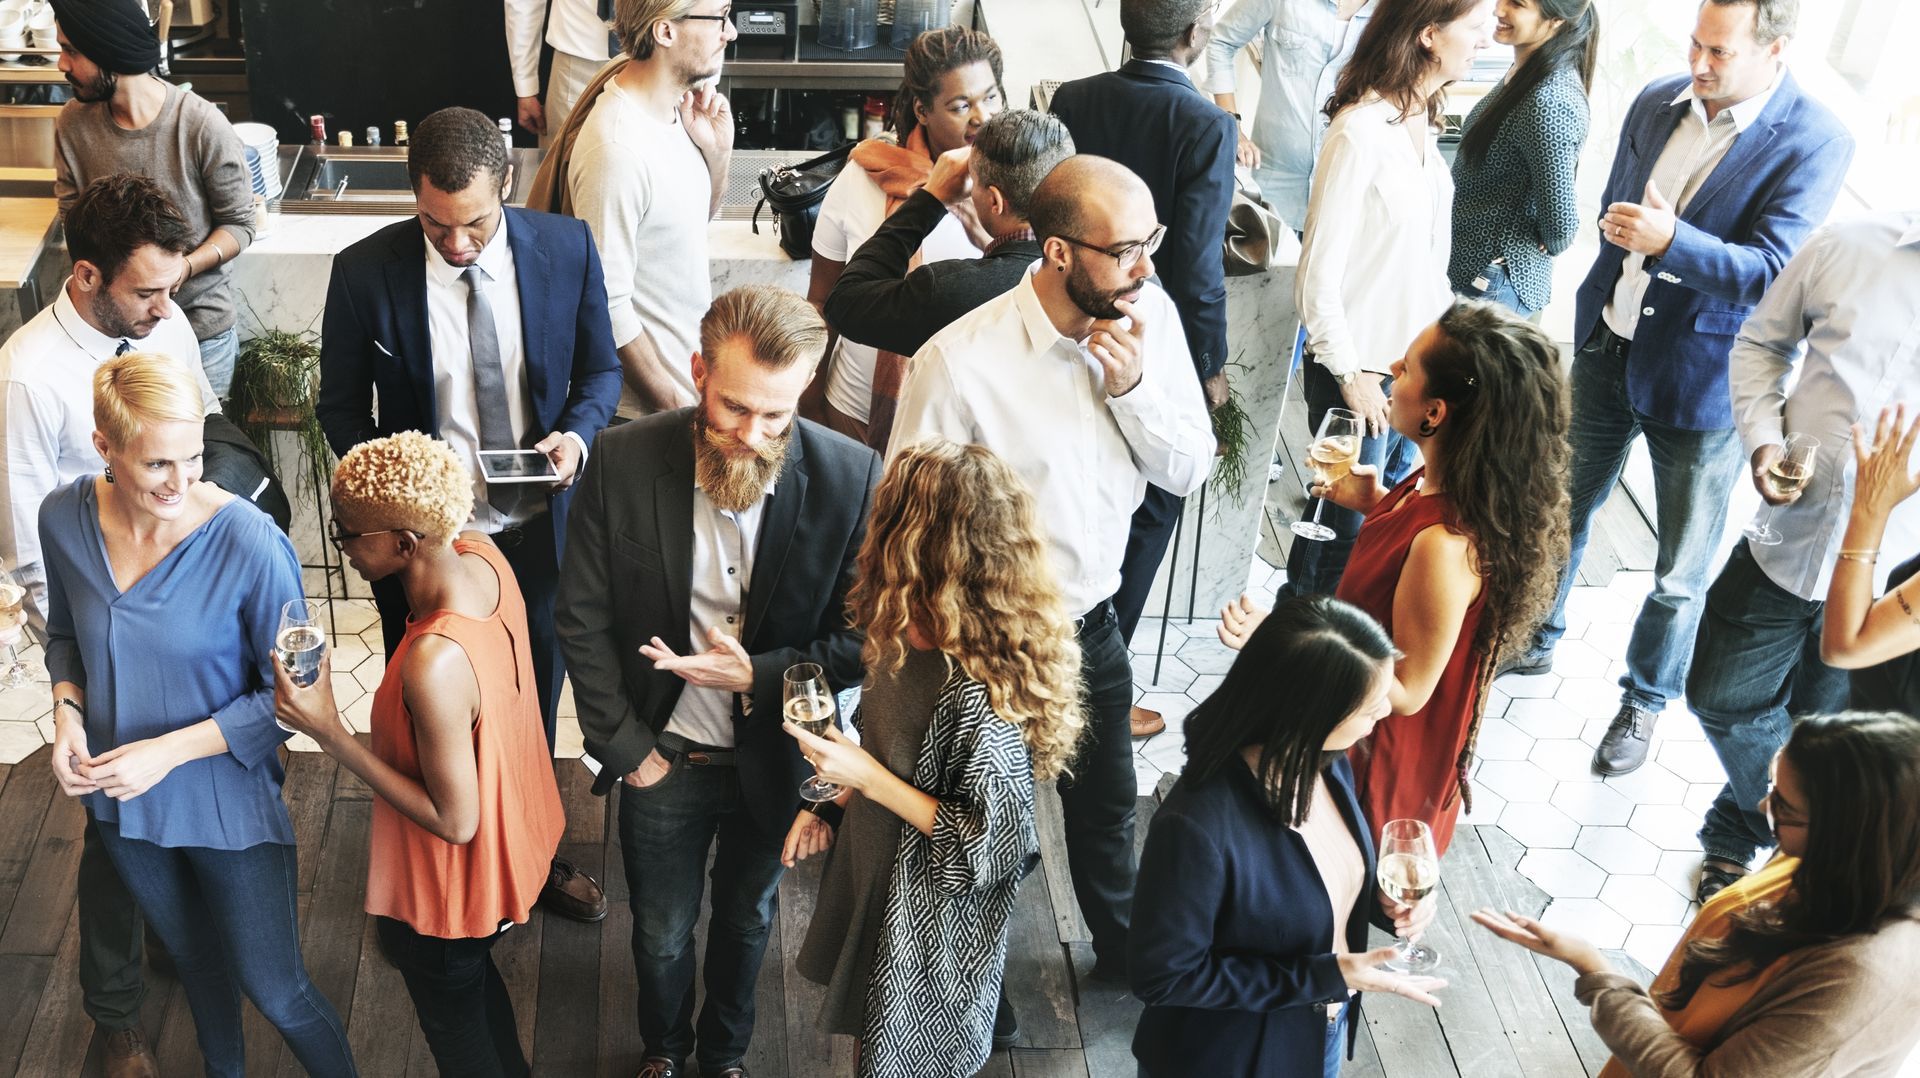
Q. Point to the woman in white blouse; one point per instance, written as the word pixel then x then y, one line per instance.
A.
pixel 1373 268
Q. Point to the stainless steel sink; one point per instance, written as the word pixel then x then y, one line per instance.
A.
pixel 367 179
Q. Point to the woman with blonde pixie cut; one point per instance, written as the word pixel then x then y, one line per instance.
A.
pixel 972 692
pixel 466 816
pixel 161 657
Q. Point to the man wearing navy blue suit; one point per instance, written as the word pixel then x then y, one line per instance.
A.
pixel 1150 117
pixel 1719 177
pixel 487 327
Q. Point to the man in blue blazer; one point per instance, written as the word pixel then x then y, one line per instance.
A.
pixel 1719 177
pixel 487 327
pixel 1151 118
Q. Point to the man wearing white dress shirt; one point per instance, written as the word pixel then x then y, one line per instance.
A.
pixel 1081 379
pixel 1851 298
pixel 577 30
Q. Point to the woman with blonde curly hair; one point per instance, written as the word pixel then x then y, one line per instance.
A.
pixel 972 693
pixel 466 816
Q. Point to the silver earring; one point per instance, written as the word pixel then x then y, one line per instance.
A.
pixel 109 473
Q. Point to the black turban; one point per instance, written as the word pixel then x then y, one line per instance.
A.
pixel 114 34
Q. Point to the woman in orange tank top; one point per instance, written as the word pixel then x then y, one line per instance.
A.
pixel 1459 561
pixel 467 816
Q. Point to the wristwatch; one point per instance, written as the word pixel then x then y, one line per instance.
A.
pixel 1347 379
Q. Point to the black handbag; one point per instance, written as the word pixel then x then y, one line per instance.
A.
pixel 795 193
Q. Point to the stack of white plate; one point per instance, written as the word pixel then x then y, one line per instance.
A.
pixel 263 158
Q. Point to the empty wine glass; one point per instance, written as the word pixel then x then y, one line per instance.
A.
pixel 1409 870
pixel 13 598
pixel 808 703
pixel 1331 457
pixel 1789 472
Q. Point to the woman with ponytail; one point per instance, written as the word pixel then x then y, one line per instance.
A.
pixel 1513 206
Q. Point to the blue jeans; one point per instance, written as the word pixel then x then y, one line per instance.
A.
pixel 1693 474
pixel 666 831
pixel 227 916
pixel 218 354
pixel 463 1005
pixel 1314 568
pixel 1757 660
pixel 1498 289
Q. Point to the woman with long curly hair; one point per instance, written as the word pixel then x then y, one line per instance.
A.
pixel 972 693
pixel 1784 970
pixel 1458 560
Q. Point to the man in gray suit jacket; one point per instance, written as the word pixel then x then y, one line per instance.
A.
pixel 709 549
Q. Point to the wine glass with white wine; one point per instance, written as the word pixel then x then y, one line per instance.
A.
pixel 300 643
pixel 808 704
pixel 1409 870
pixel 1330 457
pixel 1786 476
pixel 13 598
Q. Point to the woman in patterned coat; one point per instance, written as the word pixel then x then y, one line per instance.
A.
pixel 972 693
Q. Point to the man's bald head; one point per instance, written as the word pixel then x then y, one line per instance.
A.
pixel 1086 197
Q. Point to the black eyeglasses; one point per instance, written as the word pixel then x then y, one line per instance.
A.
pixel 724 16
pixel 1127 255
pixel 340 539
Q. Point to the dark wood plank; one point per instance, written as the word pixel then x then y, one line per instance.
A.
pixel 61 1028
pixel 767 1051
pixel 348 786
pixel 1049 1063
pixel 586 814
pixel 1468 1018
pixel 568 1031
pixel 1366 1058
pixel 21 979
pixel 1068 924
pixel 1038 980
pixel 620 1047
pixel 44 899
pixel 381 1024
pixel 518 957
pixel 810 1052
pixel 1406 1035
pixel 308 791
pixel 999 1065
pixel 1108 1014
pixel 24 801
pixel 334 926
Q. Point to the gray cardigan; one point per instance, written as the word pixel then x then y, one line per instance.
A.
pixel 1520 197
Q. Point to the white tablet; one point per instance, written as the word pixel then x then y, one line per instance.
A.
pixel 517 466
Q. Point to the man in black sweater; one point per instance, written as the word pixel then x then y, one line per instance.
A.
pixel 879 303
pixel 1151 118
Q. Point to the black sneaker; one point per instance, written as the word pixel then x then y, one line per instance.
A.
pixel 1006 1024
pixel 1624 747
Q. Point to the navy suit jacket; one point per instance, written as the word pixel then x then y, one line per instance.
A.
pixel 1152 119
pixel 1774 186
pixel 374 336
pixel 1231 927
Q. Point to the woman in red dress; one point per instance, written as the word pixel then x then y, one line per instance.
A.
pixel 1461 559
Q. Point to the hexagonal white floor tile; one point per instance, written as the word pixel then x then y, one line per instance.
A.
pixel 1631 585
pixel 1204 685
pixel 19 739
pixel 1670 827
pixel 1566 760
pixel 1694 761
pixel 1175 675
pixel 25 704
pixel 1701 796
pixel 1515 780
pixel 1165 753
pixel 1145 777
pixel 1600 607
pixel 567 740
pixel 1497 703
pixel 1487 806
pixel 1679 870
pixel 1563 873
pixel 1591 918
pixel 1651 945
pixel 1207 655
pixel 1678 723
pixel 1538 825
pixel 1499 740
pixel 1610 638
pixel 1545 718
pixel 1644 900
pixel 1617 849
pixel 353 616
pixel 1649 784
pixel 359 714
pixel 1522 687
pixel 1577 658
pixel 1592 804
pixel 1590 697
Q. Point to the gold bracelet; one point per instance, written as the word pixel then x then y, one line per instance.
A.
pixel 1868 556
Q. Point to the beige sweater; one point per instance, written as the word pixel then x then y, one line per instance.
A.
pixel 1850 1008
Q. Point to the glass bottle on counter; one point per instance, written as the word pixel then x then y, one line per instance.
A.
pixel 373 135
pixel 400 133
pixel 317 127
pixel 506 135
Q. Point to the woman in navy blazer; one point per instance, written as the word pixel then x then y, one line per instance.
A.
pixel 1233 944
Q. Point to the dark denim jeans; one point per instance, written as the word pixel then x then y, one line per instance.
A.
pixel 1498 289
pixel 1314 568
pixel 1097 800
pixel 463 1005
pixel 1756 661
pixel 112 944
pixel 227 918
pixel 1693 474
pixel 666 831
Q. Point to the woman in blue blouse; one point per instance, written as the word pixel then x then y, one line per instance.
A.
pixel 1249 938
pixel 1514 203
pixel 163 597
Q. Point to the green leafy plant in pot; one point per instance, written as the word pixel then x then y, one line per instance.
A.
pixel 275 381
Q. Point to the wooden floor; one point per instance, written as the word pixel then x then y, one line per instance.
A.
pixel 1506 1013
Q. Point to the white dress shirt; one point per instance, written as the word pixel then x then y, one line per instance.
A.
pixel 1852 296
pixel 1691 154
pixel 46 420
pixel 723 547
pixel 1373 266
pixel 1003 377
pixel 573 27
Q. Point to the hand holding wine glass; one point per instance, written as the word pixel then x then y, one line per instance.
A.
pixel 1781 482
pixel 1331 456
pixel 1409 870
pixel 13 599
pixel 807 702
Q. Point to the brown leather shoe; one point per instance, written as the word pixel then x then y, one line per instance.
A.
pixel 129 1057
pixel 1145 723
pixel 573 894
pixel 658 1067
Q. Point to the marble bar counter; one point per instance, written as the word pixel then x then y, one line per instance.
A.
pixel 281 283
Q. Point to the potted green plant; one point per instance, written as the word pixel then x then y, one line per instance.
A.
pixel 275 381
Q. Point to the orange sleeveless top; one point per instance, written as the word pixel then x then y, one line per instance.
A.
pixel 438 888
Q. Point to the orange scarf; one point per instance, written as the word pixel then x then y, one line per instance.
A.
pixel 1713 1004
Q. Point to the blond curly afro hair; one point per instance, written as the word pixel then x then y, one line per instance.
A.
pixel 406 481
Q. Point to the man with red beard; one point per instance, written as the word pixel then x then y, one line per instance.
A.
pixel 710 549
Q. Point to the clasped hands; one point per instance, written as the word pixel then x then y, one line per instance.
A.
pixel 122 773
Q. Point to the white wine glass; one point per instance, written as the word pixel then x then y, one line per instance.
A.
pixel 300 644
pixel 807 702
pixel 1409 870
pixel 1331 457
pixel 1786 476
pixel 13 598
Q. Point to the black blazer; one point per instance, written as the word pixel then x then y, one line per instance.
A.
pixel 1152 119
pixel 1228 947
pixel 374 336
pixel 628 576
pixel 879 304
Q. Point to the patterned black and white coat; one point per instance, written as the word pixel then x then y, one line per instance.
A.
pixel 943 945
